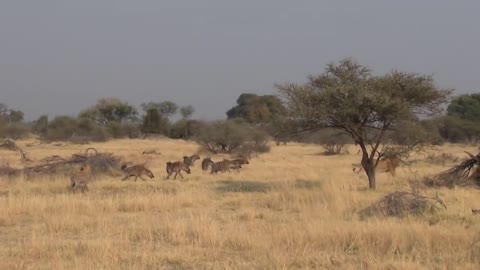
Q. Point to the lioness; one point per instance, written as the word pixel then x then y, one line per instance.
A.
pixel 386 164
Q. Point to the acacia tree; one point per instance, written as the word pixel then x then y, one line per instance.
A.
pixel 348 97
pixel 186 112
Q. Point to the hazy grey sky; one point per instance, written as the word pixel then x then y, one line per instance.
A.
pixel 59 56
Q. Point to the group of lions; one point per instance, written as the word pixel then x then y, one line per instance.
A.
pixel 79 179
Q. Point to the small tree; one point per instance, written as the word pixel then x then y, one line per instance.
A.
pixel 10 116
pixel 186 112
pixel 154 122
pixel 40 126
pixel 349 98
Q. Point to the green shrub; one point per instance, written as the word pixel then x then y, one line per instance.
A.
pixel 15 130
pixel 234 137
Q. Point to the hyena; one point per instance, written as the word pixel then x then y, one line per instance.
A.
pixel 236 164
pixel 207 162
pixel 79 179
pixel 137 171
pixel 221 166
pixel 177 167
pixel 190 160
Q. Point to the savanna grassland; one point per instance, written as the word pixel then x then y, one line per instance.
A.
pixel 291 208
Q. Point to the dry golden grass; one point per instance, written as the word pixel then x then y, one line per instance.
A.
pixel 288 209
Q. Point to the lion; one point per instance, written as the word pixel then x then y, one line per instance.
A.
pixel 79 179
pixel 386 164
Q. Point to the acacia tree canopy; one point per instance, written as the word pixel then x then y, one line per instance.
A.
pixel 347 96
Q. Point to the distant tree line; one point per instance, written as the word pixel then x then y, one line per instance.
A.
pixel 274 116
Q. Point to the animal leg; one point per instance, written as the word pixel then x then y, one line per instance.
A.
pixel 126 177
pixel 142 178
pixel 136 178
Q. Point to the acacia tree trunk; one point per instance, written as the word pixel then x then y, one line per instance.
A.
pixel 370 171
pixel 369 168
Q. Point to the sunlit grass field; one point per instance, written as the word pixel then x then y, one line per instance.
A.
pixel 291 208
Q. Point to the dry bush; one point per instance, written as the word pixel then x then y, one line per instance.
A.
pixel 100 163
pixel 457 176
pixel 334 149
pixel 12 146
pixel 403 204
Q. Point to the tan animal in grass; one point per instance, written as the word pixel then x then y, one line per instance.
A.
pixel 206 163
pixel 79 179
pixel 177 167
pixel 136 171
pixel 386 164
pixel 190 160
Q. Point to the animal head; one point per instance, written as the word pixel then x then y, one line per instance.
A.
pixel 124 166
pixel 149 173
pixel 244 161
pixel 85 168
